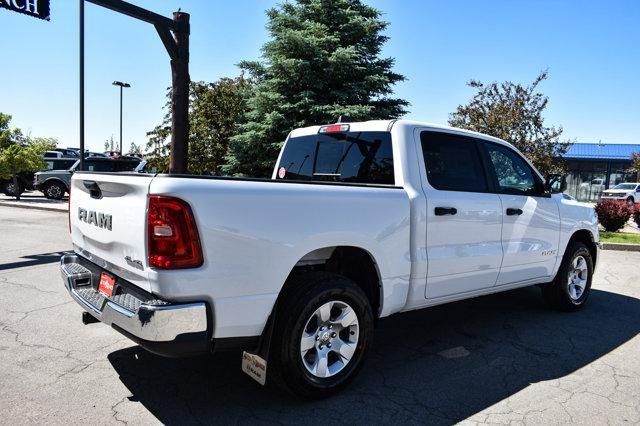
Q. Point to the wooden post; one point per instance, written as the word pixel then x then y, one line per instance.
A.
pixel 180 96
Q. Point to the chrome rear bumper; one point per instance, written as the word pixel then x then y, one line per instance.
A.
pixel 144 319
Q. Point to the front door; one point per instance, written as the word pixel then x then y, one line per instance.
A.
pixel 464 220
pixel 531 221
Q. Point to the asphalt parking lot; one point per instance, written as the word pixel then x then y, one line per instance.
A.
pixel 496 359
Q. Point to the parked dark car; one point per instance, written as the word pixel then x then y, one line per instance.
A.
pixel 68 152
pixel 26 179
pixel 55 183
pixel 25 182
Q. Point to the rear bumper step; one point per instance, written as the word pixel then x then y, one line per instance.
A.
pixel 159 326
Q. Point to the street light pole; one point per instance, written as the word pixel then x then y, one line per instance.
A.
pixel 122 85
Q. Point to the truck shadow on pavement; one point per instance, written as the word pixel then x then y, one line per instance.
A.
pixel 33 260
pixel 438 365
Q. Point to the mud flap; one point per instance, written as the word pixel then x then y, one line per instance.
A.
pixel 255 366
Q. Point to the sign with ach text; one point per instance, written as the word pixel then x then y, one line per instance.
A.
pixel 35 8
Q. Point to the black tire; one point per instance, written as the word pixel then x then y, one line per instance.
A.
pixel 8 188
pixel 558 293
pixel 54 191
pixel 308 292
pixel 630 201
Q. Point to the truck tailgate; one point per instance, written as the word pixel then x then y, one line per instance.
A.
pixel 107 220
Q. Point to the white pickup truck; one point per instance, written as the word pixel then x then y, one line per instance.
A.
pixel 359 221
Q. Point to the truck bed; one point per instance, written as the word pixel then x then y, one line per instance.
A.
pixel 253 233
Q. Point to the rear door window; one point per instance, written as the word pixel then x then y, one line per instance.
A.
pixel 453 162
pixel 352 157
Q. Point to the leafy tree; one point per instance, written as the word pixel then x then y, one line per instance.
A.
pixel 18 157
pixel 635 163
pixel 110 144
pixel 513 112
pixel 214 112
pixel 323 61
pixel 135 149
pixel 8 136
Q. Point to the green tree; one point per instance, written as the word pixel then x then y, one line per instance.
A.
pixel 214 112
pixel 514 112
pixel 322 61
pixel 110 144
pixel 19 157
pixel 635 164
pixel 9 136
pixel 135 149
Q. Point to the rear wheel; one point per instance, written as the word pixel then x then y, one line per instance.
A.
pixel 572 285
pixel 9 188
pixel 323 331
pixel 54 191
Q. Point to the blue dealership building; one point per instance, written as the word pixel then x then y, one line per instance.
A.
pixel 594 167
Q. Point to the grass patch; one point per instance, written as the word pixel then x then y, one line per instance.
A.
pixel 619 237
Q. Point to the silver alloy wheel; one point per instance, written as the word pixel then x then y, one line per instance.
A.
pixel 577 278
pixel 53 191
pixel 329 339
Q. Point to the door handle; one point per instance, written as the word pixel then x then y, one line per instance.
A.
pixel 443 211
pixel 514 212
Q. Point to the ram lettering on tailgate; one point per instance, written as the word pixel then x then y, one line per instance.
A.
pixel 101 220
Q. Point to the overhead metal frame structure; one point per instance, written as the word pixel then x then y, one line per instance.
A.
pixel 174 34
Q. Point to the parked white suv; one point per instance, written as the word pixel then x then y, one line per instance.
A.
pixel 629 192
pixel 359 221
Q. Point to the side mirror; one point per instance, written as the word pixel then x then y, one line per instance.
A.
pixel 555 183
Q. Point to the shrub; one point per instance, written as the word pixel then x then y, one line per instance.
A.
pixel 636 214
pixel 613 214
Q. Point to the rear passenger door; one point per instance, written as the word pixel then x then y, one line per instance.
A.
pixel 531 221
pixel 464 219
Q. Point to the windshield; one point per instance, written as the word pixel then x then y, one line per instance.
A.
pixel 625 186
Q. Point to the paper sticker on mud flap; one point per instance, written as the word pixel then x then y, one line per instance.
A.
pixel 255 367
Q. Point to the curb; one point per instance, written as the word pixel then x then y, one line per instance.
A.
pixel 33 207
pixel 621 246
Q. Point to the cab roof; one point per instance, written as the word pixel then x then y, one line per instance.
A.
pixel 388 125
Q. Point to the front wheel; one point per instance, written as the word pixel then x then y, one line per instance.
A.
pixel 323 331
pixel 54 191
pixel 630 201
pixel 572 285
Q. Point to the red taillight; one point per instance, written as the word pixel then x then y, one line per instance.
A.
pixel 172 236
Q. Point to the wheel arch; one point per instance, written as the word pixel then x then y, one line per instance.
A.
pixel 54 179
pixel 355 263
pixel 586 237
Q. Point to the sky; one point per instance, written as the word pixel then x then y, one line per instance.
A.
pixel 591 48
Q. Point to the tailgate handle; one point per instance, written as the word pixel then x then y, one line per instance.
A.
pixel 443 211
pixel 94 189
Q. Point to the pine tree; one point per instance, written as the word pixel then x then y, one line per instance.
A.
pixel 323 61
